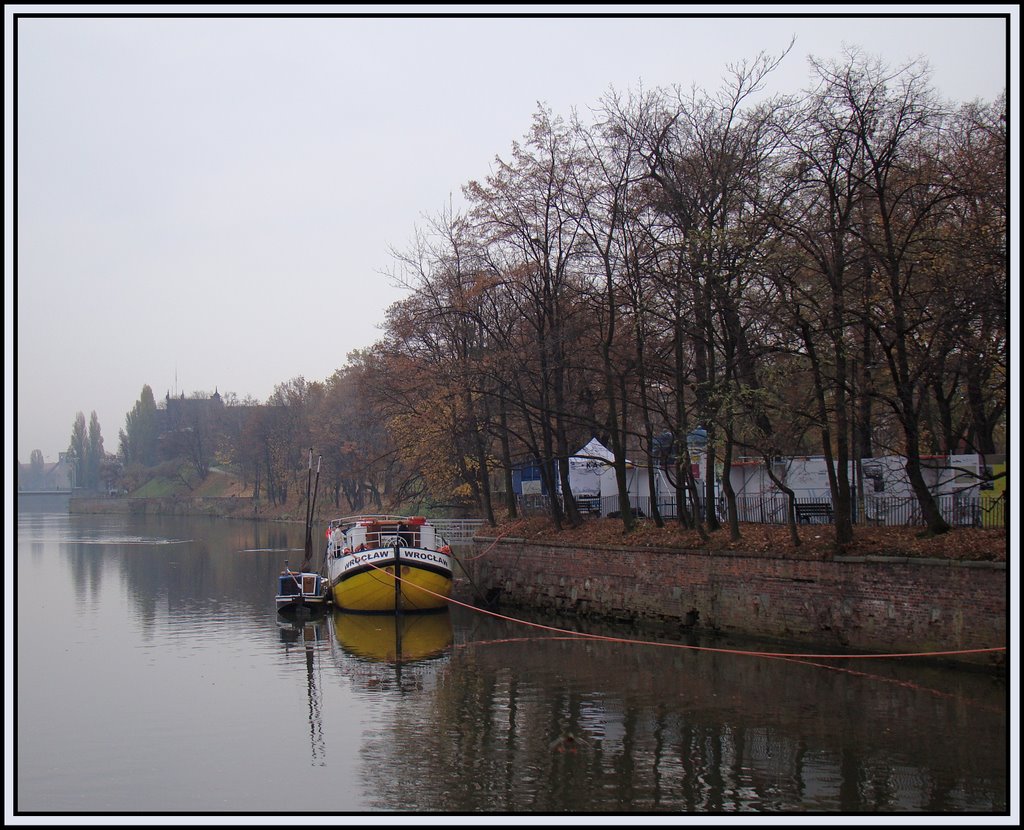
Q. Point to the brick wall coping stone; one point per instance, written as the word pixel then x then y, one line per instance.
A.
pixel 922 560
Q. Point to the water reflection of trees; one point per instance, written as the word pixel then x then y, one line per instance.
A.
pixel 665 730
pixel 187 565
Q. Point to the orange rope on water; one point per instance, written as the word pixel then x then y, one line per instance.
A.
pixel 790 655
pixel 906 684
pixel 917 687
pixel 772 654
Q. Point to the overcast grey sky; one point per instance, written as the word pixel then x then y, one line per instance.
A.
pixel 209 203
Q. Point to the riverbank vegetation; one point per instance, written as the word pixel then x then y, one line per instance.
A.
pixel 813 274
pixel 807 273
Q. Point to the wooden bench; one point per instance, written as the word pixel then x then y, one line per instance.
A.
pixel 807 511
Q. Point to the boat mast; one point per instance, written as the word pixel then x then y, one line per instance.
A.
pixel 398 578
pixel 310 502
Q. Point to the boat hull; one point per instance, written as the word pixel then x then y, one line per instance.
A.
pixel 301 605
pixel 365 581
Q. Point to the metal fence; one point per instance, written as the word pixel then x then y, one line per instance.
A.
pixel 535 504
pixel 457 531
pixel 957 510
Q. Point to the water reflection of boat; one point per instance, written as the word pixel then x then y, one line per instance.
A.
pixel 308 634
pixel 362 552
pixel 393 639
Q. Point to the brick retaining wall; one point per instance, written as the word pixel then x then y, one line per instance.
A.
pixel 871 604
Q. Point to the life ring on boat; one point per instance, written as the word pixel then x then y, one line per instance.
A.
pixel 444 549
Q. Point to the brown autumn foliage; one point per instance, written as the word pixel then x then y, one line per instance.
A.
pixel 816 541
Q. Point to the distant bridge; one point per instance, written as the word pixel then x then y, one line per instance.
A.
pixel 44 501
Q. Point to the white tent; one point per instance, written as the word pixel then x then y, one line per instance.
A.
pixel 638 488
pixel 587 467
pixel 592 478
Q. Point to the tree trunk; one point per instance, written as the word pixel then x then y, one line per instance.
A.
pixel 506 464
pixel 730 494
pixel 794 536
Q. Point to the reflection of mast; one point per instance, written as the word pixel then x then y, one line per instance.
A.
pixel 310 634
pixel 316 731
pixel 398 646
pixel 398 615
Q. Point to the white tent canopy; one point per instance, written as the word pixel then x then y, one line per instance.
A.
pixel 591 476
pixel 587 467
pixel 594 449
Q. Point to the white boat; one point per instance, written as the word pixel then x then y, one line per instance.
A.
pixel 364 552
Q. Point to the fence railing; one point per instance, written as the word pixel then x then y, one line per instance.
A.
pixel 958 511
pixel 457 531
pixel 891 511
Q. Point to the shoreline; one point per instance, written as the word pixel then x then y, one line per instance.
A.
pixel 929 608
pixel 877 598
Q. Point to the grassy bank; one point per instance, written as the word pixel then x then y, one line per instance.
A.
pixel 221 493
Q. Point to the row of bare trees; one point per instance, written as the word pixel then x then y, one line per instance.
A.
pixel 822 273
pixel 267 442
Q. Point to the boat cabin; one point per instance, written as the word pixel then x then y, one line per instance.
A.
pixel 295 583
pixel 370 533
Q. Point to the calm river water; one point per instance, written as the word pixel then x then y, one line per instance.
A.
pixel 155 675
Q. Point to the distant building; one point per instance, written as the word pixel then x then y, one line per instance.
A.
pixel 182 412
pixel 181 420
pixel 55 476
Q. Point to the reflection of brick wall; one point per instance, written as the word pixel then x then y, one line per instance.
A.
pixel 885 605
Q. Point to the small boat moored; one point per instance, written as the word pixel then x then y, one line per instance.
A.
pixel 304 590
pixel 363 553
pixel 299 591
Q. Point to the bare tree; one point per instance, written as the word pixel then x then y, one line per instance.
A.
pixel 524 211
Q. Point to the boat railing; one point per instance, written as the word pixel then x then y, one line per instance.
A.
pixel 381 518
pixel 449 531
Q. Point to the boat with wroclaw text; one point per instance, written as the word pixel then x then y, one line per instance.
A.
pixel 364 554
